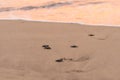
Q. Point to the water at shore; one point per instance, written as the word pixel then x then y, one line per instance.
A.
pixel 105 12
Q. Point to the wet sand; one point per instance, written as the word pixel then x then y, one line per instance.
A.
pixel 58 51
pixel 81 11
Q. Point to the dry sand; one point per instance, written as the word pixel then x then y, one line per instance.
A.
pixel 22 56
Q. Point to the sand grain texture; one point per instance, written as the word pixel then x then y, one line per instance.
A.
pixel 22 56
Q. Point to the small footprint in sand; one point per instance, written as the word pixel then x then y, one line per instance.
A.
pixel 83 58
pixel 76 71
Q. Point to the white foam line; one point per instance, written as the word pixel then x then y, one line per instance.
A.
pixel 81 23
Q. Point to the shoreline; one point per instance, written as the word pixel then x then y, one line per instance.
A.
pixel 50 21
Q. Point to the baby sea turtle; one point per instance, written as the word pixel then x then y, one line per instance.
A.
pixel 60 60
pixel 46 47
pixel 73 46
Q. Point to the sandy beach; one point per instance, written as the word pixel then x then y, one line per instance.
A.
pixel 58 51
pixel 81 11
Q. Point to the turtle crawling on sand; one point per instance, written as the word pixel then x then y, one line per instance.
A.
pixel 46 47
